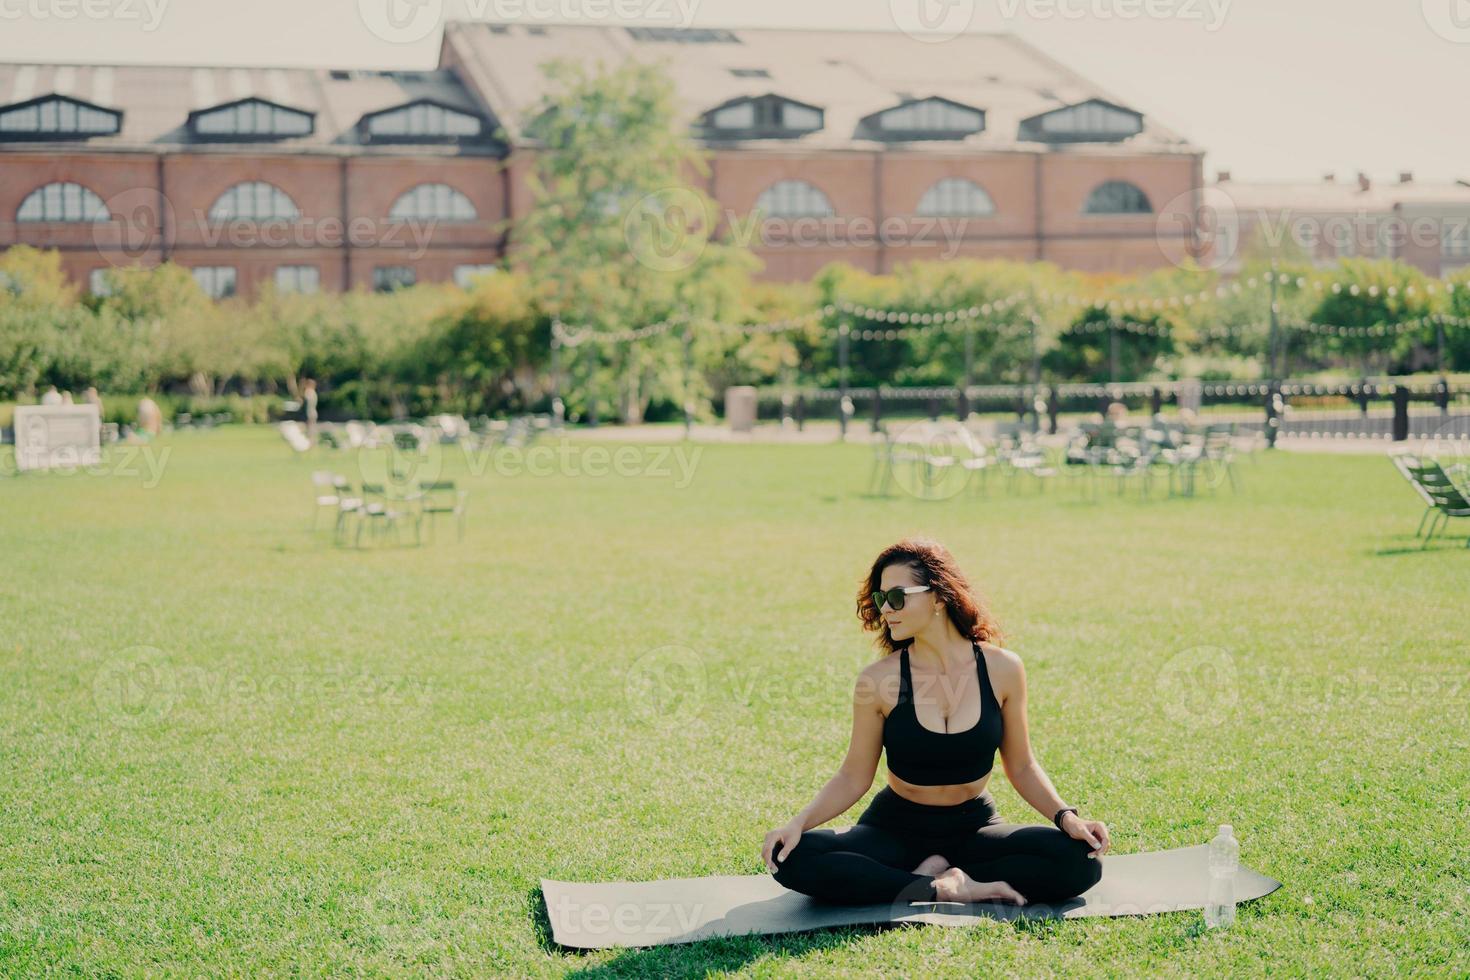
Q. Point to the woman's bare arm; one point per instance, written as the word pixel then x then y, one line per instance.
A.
pixel 855 776
pixel 1020 764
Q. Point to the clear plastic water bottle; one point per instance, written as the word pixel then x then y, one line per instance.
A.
pixel 1224 862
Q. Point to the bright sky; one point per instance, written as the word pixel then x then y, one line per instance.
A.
pixel 1272 89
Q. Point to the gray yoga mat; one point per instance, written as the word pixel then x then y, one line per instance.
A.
pixel 601 915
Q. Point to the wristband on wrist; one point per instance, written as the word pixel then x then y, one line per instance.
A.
pixel 1058 818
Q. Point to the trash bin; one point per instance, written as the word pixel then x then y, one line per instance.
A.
pixel 740 408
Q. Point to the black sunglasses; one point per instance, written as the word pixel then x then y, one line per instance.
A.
pixel 895 595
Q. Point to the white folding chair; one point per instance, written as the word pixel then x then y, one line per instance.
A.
pixel 328 488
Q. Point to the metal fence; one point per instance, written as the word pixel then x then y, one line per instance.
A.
pixel 1394 409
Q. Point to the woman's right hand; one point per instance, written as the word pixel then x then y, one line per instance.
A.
pixel 782 839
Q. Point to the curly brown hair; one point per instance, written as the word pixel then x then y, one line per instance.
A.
pixel 935 567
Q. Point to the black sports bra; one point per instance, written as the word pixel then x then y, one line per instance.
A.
pixel 925 757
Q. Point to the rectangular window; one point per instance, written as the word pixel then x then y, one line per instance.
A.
pixel 793 116
pixel 683 35
pixel 1455 238
pixel 387 278
pixel 298 279
pixel 217 281
pixel 740 116
pixel 464 275
pixel 1384 244
pixel 1225 241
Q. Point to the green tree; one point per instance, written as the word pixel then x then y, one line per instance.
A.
pixel 1375 294
pixel 1457 334
pixel 482 352
pixel 618 237
pixel 32 278
pixel 1085 352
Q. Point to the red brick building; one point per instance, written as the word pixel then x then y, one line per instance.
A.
pixel 865 147
pixel 1420 223
pixel 317 179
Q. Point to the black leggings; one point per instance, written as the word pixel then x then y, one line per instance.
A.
pixel 873 861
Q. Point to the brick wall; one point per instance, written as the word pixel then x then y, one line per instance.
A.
pixel 344 202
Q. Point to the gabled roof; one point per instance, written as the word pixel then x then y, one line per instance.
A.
pixel 850 74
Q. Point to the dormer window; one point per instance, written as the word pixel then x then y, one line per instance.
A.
pixel 762 117
pixel 925 119
pixel 57 117
pixel 423 121
pixel 558 125
pixel 1093 121
pixel 250 120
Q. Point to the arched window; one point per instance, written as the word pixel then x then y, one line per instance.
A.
pixel 62 202
pixel 956 197
pixel 254 201
pixel 433 202
pixel 793 199
pixel 1117 197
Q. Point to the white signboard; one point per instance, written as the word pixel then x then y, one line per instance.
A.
pixel 57 436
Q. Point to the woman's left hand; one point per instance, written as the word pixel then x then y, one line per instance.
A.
pixel 1094 832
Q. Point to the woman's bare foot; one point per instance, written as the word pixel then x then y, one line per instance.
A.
pixel 932 865
pixel 956 886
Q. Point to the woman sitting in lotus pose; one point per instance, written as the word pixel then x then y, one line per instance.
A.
pixel 942 701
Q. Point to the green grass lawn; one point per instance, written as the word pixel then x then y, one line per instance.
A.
pixel 230 747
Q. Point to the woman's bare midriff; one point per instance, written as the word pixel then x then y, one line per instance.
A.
pixel 938 795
